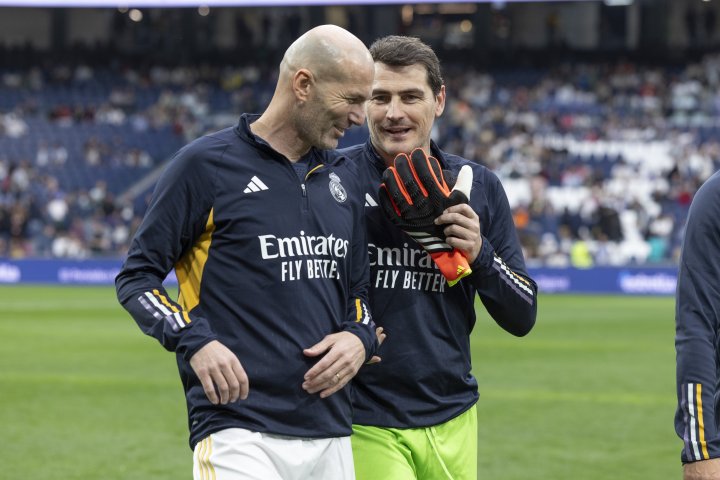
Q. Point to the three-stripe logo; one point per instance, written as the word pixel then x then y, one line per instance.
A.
pixel 370 201
pixel 255 185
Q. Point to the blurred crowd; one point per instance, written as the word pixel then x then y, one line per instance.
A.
pixel 72 162
pixel 600 161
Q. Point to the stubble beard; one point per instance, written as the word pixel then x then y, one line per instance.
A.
pixel 306 124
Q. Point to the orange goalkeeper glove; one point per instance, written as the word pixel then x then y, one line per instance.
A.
pixel 413 194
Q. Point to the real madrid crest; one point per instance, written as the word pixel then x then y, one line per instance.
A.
pixel 336 189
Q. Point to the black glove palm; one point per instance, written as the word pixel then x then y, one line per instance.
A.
pixel 413 194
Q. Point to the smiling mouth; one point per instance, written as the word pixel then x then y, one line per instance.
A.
pixel 396 131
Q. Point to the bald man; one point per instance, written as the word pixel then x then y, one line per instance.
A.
pixel 265 231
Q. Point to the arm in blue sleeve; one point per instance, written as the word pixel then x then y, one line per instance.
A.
pixel 697 313
pixel 175 219
pixel 499 274
pixel 359 319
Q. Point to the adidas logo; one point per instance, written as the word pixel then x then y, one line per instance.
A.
pixel 369 201
pixel 255 185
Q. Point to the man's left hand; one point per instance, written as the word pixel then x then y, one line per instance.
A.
pixel 462 230
pixel 344 355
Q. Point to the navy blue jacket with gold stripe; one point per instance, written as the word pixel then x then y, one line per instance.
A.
pixel 424 378
pixel 267 264
pixel 697 328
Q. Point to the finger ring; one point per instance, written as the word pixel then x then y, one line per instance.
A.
pixel 337 378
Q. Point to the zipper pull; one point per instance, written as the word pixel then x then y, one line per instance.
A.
pixel 302 185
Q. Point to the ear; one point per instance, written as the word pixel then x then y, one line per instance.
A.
pixel 302 83
pixel 440 102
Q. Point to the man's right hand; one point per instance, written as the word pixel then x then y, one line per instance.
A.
pixel 220 372
pixel 702 470
pixel 414 193
pixel 380 333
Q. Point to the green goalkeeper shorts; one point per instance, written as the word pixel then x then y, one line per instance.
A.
pixel 443 452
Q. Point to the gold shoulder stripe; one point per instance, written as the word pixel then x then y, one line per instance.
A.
pixel 189 269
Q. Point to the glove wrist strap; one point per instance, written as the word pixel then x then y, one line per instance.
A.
pixel 453 265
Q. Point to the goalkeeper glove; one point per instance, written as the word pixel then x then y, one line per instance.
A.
pixel 413 194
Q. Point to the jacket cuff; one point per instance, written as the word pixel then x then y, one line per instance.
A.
pixel 484 261
pixel 193 338
pixel 367 336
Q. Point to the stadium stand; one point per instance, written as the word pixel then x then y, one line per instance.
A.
pixel 600 161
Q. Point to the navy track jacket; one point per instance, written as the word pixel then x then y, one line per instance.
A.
pixel 697 327
pixel 424 378
pixel 267 264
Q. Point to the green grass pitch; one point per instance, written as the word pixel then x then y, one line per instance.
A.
pixel 588 395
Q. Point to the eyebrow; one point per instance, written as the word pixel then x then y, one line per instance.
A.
pixel 414 91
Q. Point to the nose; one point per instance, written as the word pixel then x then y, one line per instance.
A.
pixel 394 111
pixel 357 115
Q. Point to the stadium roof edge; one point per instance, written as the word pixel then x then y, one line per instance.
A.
pixel 225 3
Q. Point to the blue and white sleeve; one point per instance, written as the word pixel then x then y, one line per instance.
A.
pixel 697 325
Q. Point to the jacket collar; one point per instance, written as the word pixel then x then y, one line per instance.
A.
pixel 315 156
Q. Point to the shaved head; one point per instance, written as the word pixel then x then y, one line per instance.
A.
pixel 328 51
pixel 325 79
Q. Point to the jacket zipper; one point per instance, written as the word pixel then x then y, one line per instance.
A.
pixel 303 187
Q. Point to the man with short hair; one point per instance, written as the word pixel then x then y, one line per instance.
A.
pixel 265 232
pixel 414 415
